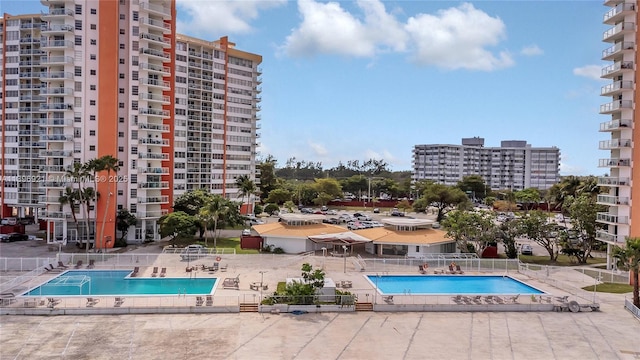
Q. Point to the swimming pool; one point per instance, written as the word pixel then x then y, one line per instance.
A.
pixel 450 285
pixel 116 282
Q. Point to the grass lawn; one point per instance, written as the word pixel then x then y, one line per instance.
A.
pixel 610 288
pixel 563 260
pixel 227 243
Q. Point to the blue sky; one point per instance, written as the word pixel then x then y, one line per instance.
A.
pixel 353 80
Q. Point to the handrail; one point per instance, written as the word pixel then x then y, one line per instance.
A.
pixel 631 307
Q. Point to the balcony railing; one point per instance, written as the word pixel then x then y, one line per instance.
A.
pixel 155 82
pixel 56 137
pixel 52 60
pixel 56 75
pixel 156 156
pixel 55 122
pixel 615 124
pixel 57 44
pixel 56 153
pixel 615 106
pixel 54 168
pixel 58 12
pixel 606 237
pixel 56 106
pixel 151 111
pixel 156 23
pixel 55 214
pixel 618 29
pixel 154 67
pixel 155 97
pixel 612 200
pixel 153 200
pixel 612 181
pixel 619 9
pixel 614 162
pixel 149 141
pixel 56 28
pixel 614 144
pixel 614 68
pixel 151 214
pixel 617 48
pixel 154 185
pixel 159 39
pixel 157 53
pixel 56 91
pixel 154 170
pixel 611 218
pixel 616 87
pixel 158 9
pixel 153 127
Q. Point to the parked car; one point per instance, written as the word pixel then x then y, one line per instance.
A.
pixel 396 212
pixel 4 238
pixel 435 225
pixel 331 212
pixel 526 249
pixel 324 208
pixel 376 211
pixel 306 211
pixel 355 226
pixel 246 232
pixel 363 218
pixel 18 237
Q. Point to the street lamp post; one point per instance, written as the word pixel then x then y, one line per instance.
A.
pixel 261 282
pixel 344 247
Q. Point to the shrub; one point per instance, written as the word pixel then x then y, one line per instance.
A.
pixel 278 250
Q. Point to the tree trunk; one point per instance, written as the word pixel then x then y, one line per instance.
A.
pixel 636 288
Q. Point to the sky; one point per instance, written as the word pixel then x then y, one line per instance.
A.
pixel 355 80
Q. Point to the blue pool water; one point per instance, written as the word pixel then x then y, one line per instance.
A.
pixel 102 282
pixel 450 285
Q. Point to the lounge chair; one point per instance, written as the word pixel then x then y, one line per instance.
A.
pixel 92 263
pixel 163 272
pixel 119 301
pixel 498 299
pixel 562 299
pixel 421 269
pixel 514 299
pixel 61 265
pixel 92 301
pixel 489 299
pixel 78 264
pixel 155 271
pixel 477 300
pixel 135 272
pixel 451 269
pixel 209 300
pixel 199 301
pixel 52 302
pixel 457 299
pixel 7 298
pixel 347 284
pixel 459 270
pixel 388 299
pixel 223 268
pixel 231 283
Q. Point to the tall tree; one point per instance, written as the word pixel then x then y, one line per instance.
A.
pixel 528 197
pixel 444 198
pixel 79 173
pixel 628 258
pixel 177 224
pixel 108 163
pixel 246 187
pixel 212 211
pixel 469 227
pixel 475 186
pixel 70 197
pixel 124 220
pixel 581 239
pixel 267 176
pixel 190 203
pixel 536 226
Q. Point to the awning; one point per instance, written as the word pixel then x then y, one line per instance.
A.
pixel 344 238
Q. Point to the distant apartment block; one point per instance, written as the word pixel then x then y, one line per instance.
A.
pixel 85 79
pixel 619 192
pixel 515 165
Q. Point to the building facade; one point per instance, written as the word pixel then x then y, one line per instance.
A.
pixel 86 79
pixel 514 165
pixel 618 194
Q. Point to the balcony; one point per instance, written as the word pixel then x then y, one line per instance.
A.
pixel 155 39
pixel 155 9
pixel 49 199
pixel 156 53
pixel 150 141
pixel 154 185
pixel 613 125
pixel 156 98
pixel 616 87
pixel 32 62
pixel 153 127
pixel 57 44
pixel 614 106
pixel 56 29
pixel 616 69
pixel 164 70
pixel 55 214
pixel 618 48
pixel 151 111
pixel 56 137
pixel 153 156
pixel 56 60
pixel 56 91
pixel 55 122
pixel 54 184
pixel 614 144
pixel 612 200
pixel 158 24
pixel 151 214
pixel 617 13
pixel 614 162
pixel 54 168
pixel 618 31
pixel 29 40
pixel 154 200
pixel 153 170
pixel 56 153
pixel 612 181
pixel 604 217
pixel 165 85
pixel 56 106
pixel 31 52
pixel 56 13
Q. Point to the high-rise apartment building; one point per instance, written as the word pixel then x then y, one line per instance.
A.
pixel 86 79
pixel 514 165
pixel 621 51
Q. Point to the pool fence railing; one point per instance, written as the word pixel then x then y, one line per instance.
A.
pixel 628 304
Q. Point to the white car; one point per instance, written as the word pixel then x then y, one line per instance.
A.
pixel 246 232
pixel 526 249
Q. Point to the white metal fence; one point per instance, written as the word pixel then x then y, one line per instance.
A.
pixel 441 263
pixel 629 306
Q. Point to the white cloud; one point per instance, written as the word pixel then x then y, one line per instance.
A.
pixel 457 38
pixel 589 71
pixel 568 169
pixel 531 50
pixel 206 17
pixel 318 149
pixel 328 28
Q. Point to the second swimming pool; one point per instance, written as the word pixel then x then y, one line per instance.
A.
pixel 116 282
pixel 450 285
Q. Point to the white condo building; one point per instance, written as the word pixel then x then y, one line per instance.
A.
pixel 514 165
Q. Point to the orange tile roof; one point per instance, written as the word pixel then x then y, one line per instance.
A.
pixel 417 237
pixel 304 231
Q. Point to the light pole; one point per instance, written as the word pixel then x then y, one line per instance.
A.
pixel 344 247
pixel 261 282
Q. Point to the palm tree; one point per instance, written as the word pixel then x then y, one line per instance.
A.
pixel 628 258
pixel 212 211
pixel 108 163
pixel 89 194
pixel 93 166
pixel 79 174
pixel 70 197
pixel 246 187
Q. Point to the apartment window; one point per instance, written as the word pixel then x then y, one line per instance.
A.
pixel 134 60
pixel 134 150
pixel 121 120
pixel 78 71
pixel 120 192
pixel 92 133
pixel 133 178
pixel 94 11
pixel 94 42
pixel 120 207
pixel 121 61
pixel 121 134
pixel 121 30
pixel 134 105
pixel 78 40
pixel 78 9
pixel 121 105
pixel 92 148
pixel 120 163
pixel 133 164
pixel 92 87
pixel 92 117
pixel 78 24
pixel 92 102
pixel 134 75
pixel 121 90
pixel 120 148
pixel 135 16
pixel 135 31
pixel 134 90
pixel 122 46
pixel 92 72
pixel 121 16
pixel 92 57
pixel 78 87
pixel 93 27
